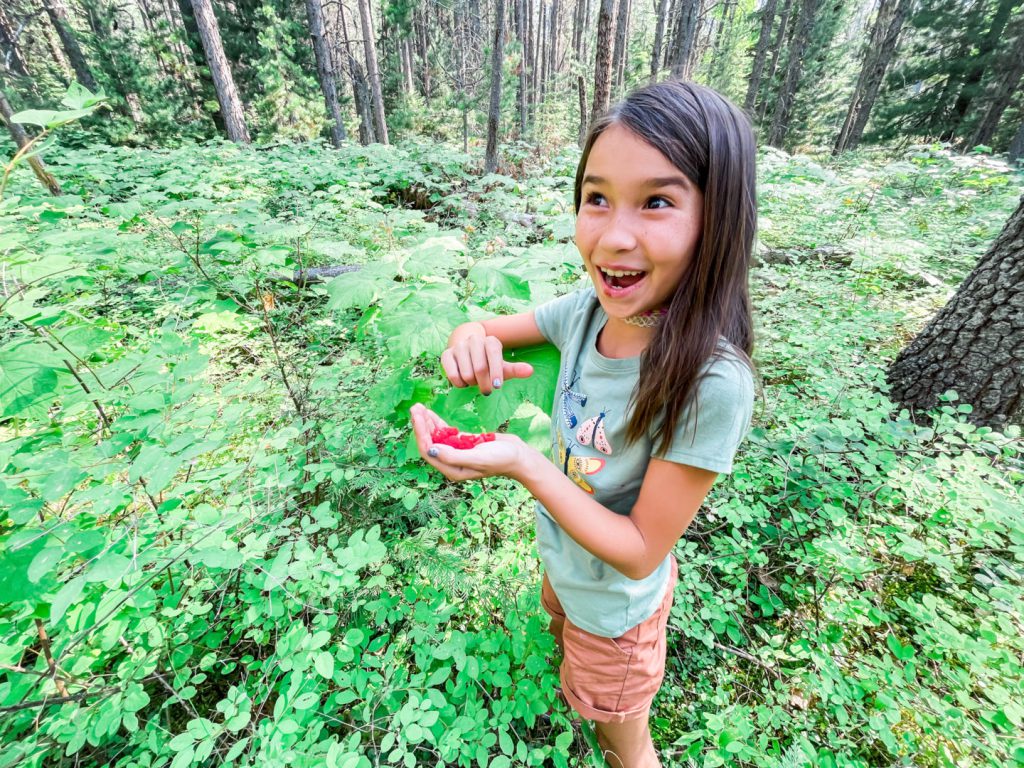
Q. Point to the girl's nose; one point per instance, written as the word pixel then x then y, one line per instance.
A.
pixel 620 233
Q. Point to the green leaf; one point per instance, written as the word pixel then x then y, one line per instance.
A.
pixel 421 323
pixel 28 382
pixel 67 596
pixel 360 289
pixel 155 467
pixel 110 566
pixel 324 664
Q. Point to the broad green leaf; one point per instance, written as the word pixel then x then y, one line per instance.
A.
pixel 28 380
pixel 421 323
pixel 110 566
pixel 65 597
pixel 360 289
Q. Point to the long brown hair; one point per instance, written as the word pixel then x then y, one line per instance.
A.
pixel 710 140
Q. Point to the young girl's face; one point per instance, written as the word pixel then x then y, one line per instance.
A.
pixel 638 214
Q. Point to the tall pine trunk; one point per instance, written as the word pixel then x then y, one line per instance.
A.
pixel 975 345
pixel 794 70
pixel 59 19
pixel 760 52
pixel 659 38
pixel 524 77
pixel 223 82
pixel 621 45
pixel 494 109
pixel 372 72
pixel 325 69
pixel 10 53
pixel 777 47
pixel 21 138
pixel 685 39
pixel 603 59
pixel 880 51
pixel 1010 70
pixel 360 87
pixel 1016 149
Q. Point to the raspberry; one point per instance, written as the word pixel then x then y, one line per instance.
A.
pixel 462 440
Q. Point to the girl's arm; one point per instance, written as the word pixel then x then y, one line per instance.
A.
pixel 474 354
pixel 634 545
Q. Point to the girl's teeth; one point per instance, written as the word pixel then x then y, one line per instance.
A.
pixel 620 273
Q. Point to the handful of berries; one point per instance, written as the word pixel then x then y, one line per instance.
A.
pixel 462 440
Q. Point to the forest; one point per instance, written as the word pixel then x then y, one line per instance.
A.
pixel 235 236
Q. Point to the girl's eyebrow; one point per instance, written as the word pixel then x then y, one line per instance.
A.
pixel 655 183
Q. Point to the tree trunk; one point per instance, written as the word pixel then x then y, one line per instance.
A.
pixel 685 39
pixel 621 38
pixel 9 50
pixel 981 60
pixel 423 38
pixel 603 59
pixel 223 82
pixel 659 38
pixel 21 138
pixel 579 28
pixel 372 73
pixel 360 88
pixel 494 110
pixel 777 46
pixel 1016 149
pixel 59 19
pixel 754 83
pixel 325 70
pixel 794 69
pixel 975 345
pixel 1011 70
pixel 524 78
pixel 881 50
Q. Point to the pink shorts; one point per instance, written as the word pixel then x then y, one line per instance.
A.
pixel 611 680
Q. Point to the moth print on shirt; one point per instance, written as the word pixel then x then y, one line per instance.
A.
pixel 576 468
pixel 568 396
pixel 592 431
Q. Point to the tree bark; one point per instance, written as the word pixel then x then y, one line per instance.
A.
pixel 372 72
pixel 621 38
pixel 423 37
pixel 325 70
pixel 777 46
pixel 794 70
pixel 524 78
pixel 494 110
pixel 1016 149
pixel 21 138
pixel 975 345
pixel 760 52
pixel 685 39
pixel 880 51
pixel 659 38
pixel 223 82
pixel 360 88
pixel 1011 69
pixel 603 59
pixel 59 19
pixel 9 50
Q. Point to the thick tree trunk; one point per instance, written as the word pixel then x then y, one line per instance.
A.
pixel 360 88
pixel 777 46
pixel 223 82
pixel 794 70
pixel 494 110
pixel 372 73
pixel 1011 69
pixel 21 138
pixel 760 52
pixel 621 38
pixel 603 59
pixel 10 52
pixel 880 51
pixel 981 61
pixel 685 39
pixel 975 345
pixel 659 38
pixel 325 70
pixel 59 19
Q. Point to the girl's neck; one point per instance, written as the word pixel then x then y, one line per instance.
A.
pixel 620 340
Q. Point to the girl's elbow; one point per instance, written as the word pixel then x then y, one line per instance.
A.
pixel 639 570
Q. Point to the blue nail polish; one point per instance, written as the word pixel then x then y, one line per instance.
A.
pixel 432 452
pixel 497 383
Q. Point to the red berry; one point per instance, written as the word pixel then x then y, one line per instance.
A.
pixel 462 440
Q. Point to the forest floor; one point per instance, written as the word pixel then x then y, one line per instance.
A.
pixel 218 545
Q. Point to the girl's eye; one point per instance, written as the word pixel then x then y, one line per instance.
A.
pixel 595 198
pixel 658 202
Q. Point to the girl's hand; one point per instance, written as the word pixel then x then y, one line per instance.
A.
pixel 477 360
pixel 505 455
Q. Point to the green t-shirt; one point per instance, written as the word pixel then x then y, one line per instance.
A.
pixel 588 428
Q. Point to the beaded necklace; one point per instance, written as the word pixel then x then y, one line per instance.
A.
pixel 650 319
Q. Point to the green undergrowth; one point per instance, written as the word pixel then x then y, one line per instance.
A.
pixel 217 544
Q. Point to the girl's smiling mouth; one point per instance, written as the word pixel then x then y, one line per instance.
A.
pixel 620 282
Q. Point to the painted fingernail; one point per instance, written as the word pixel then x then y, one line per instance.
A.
pixel 497 383
pixel 432 452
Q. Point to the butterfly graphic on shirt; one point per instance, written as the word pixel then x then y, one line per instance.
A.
pixel 577 468
pixel 568 396
pixel 592 431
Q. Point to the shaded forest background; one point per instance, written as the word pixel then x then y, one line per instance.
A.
pixel 813 75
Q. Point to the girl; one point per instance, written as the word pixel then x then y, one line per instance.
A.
pixel 655 390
